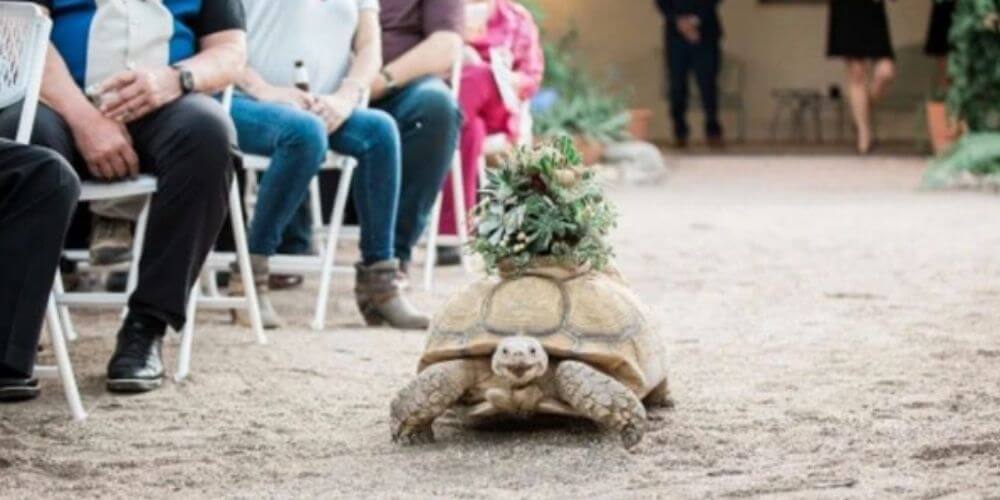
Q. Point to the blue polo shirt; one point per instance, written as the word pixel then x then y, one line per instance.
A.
pixel 99 38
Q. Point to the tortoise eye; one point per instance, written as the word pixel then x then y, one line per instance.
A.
pixel 532 351
pixel 505 351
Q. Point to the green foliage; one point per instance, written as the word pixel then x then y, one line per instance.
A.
pixel 586 107
pixel 539 202
pixel 974 64
pixel 974 95
pixel 976 153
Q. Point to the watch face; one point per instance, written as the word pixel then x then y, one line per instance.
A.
pixel 187 81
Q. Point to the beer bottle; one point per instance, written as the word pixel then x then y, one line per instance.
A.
pixel 301 76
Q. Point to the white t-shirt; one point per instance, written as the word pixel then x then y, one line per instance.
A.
pixel 318 32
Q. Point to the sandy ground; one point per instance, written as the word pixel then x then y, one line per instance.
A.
pixel 832 333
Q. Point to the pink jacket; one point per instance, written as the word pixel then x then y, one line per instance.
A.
pixel 512 26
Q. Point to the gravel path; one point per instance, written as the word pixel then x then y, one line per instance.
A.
pixel 832 334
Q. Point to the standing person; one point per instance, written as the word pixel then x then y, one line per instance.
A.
pixel 509 29
pixel 692 37
pixel 421 40
pixel 937 45
pixel 38 192
pixel 859 33
pixel 338 42
pixel 154 115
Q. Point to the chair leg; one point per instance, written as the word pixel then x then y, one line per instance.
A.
pixel 65 320
pixel 243 259
pixel 432 237
pixel 250 193
pixel 329 252
pixel 137 245
pixel 210 283
pixel 461 212
pixel 66 375
pixel 316 210
pixel 187 336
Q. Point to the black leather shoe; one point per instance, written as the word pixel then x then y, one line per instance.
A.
pixel 137 364
pixel 18 389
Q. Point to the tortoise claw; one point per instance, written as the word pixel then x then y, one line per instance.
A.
pixel 413 437
pixel 631 435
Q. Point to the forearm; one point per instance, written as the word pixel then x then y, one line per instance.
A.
pixel 252 83
pixel 61 93
pixel 367 59
pixel 220 63
pixel 433 56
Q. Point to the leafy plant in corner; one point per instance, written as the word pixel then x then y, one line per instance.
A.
pixel 974 95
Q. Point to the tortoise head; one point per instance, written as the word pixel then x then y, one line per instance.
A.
pixel 520 360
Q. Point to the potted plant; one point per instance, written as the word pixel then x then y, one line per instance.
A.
pixel 638 123
pixel 541 208
pixel 942 128
pixel 974 94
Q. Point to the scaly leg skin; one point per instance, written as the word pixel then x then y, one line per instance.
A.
pixel 427 397
pixel 659 397
pixel 602 399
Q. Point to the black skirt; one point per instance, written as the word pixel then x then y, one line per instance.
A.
pixel 859 29
pixel 937 32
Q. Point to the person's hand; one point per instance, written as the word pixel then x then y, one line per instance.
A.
pixel 688 28
pixel 133 94
pixel 334 109
pixel 286 95
pixel 106 146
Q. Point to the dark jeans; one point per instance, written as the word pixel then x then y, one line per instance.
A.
pixel 296 141
pixel 703 59
pixel 428 120
pixel 38 192
pixel 188 146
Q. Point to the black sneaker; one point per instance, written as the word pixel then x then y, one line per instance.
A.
pixel 137 364
pixel 13 390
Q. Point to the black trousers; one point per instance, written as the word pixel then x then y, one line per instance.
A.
pixel 188 146
pixel 703 59
pixel 38 192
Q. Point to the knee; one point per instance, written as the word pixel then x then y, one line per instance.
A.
pixel 885 70
pixel 380 129
pixel 304 135
pixel 856 72
pixel 438 106
pixel 54 179
pixel 203 138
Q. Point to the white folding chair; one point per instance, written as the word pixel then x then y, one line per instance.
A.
pixel 24 40
pixel 461 239
pixel 145 185
pixel 324 262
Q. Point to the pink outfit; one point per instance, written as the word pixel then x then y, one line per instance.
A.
pixel 511 26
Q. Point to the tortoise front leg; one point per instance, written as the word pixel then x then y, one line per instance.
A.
pixel 602 399
pixel 427 397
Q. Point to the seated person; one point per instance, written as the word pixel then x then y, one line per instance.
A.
pixel 152 115
pixel 338 42
pixel 507 28
pixel 38 192
pixel 421 41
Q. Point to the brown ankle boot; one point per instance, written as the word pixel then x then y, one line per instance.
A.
pixel 268 316
pixel 377 290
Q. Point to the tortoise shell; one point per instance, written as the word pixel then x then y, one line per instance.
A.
pixel 583 315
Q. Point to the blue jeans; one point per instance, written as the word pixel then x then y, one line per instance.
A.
pixel 428 119
pixel 296 141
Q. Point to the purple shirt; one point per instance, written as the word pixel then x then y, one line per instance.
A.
pixel 406 23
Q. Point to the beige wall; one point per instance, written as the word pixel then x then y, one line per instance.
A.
pixel 781 45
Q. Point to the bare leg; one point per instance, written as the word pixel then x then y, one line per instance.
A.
pixel 882 75
pixel 602 399
pixel 427 397
pixel 857 90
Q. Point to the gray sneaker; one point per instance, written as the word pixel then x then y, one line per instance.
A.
pixel 110 241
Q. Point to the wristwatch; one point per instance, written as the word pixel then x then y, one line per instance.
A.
pixel 186 79
pixel 390 81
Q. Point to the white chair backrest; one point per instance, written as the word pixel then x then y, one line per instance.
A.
pixel 24 40
pixel 456 72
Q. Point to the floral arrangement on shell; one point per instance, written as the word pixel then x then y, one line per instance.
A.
pixel 540 207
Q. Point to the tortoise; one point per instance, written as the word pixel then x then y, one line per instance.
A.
pixel 554 340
